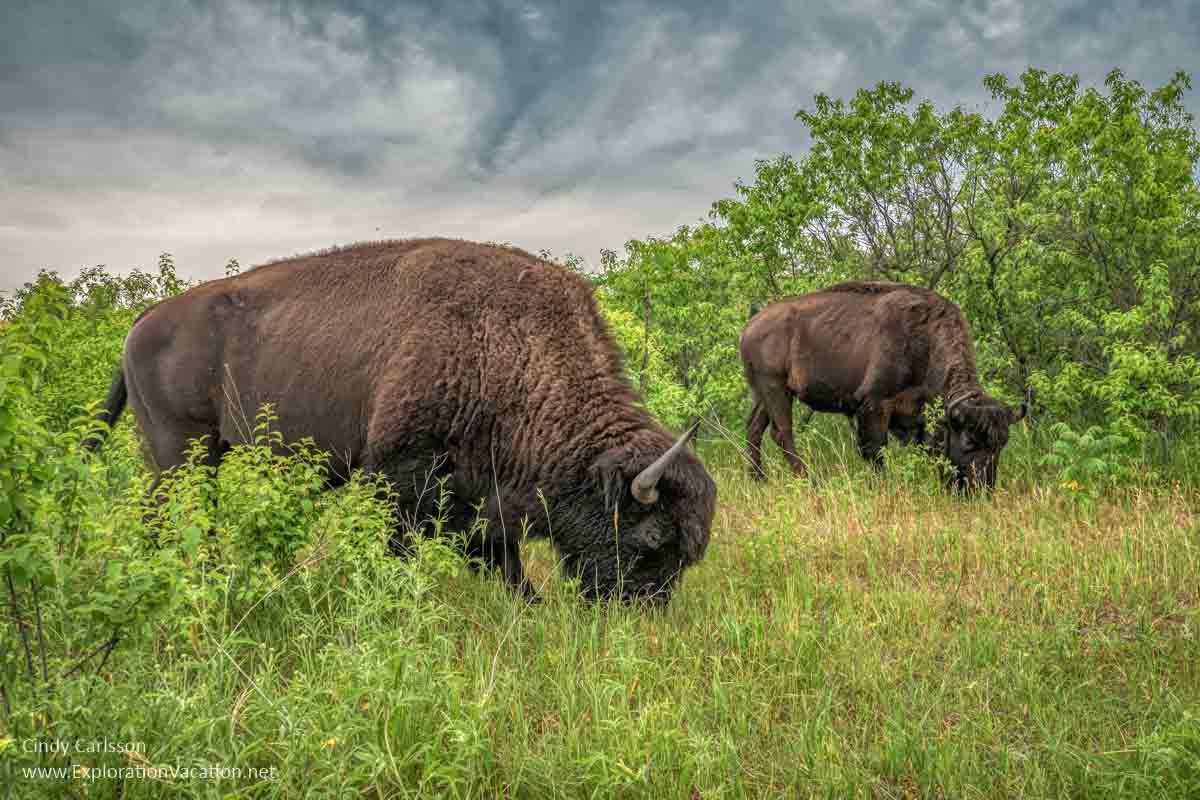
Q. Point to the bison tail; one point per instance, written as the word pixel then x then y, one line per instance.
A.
pixel 114 404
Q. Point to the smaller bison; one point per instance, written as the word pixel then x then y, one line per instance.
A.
pixel 876 352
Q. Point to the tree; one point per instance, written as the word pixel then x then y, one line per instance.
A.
pixel 1066 225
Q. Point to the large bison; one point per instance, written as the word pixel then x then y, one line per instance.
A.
pixel 431 359
pixel 876 352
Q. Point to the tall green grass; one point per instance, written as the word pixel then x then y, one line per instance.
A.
pixel 849 635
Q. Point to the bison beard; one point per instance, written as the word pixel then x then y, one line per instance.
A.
pixel 877 353
pixel 426 360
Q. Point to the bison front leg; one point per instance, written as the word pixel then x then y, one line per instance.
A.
pixel 872 432
pixel 498 551
pixel 414 484
pixel 495 543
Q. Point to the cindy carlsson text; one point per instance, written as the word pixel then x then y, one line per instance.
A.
pixel 81 746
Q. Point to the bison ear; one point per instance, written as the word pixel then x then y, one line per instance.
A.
pixel 608 473
pixel 612 484
pixel 956 418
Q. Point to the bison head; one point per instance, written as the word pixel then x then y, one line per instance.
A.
pixel 974 431
pixel 640 517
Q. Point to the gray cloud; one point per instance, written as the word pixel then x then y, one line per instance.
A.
pixel 254 130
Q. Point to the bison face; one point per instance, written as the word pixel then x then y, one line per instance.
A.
pixel 975 431
pixel 633 541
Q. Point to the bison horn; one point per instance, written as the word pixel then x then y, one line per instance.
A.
pixel 958 400
pixel 645 485
pixel 1026 401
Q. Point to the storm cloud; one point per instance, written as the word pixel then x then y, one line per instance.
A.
pixel 254 130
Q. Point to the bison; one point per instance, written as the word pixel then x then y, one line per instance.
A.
pixel 876 352
pixel 435 359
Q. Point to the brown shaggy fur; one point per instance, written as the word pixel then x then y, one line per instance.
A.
pixel 395 355
pixel 876 352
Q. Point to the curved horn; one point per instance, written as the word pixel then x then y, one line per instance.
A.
pixel 958 400
pixel 1026 402
pixel 645 485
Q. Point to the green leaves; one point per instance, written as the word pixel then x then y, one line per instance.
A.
pixel 58 346
pixel 674 306
pixel 893 179
pixel 1088 462
pixel 1065 222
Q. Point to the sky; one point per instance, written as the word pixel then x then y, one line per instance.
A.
pixel 217 130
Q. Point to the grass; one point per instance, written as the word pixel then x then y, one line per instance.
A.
pixel 848 636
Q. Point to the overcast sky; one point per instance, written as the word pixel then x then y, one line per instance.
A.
pixel 221 130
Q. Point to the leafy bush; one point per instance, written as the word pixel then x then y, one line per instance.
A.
pixel 1088 462
pixel 1065 226
pixel 85 336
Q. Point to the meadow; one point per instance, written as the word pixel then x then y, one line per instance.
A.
pixel 852 634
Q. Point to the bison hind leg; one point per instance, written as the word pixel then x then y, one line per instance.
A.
pixel 168 450
pixel 756 426
pixel 778 402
